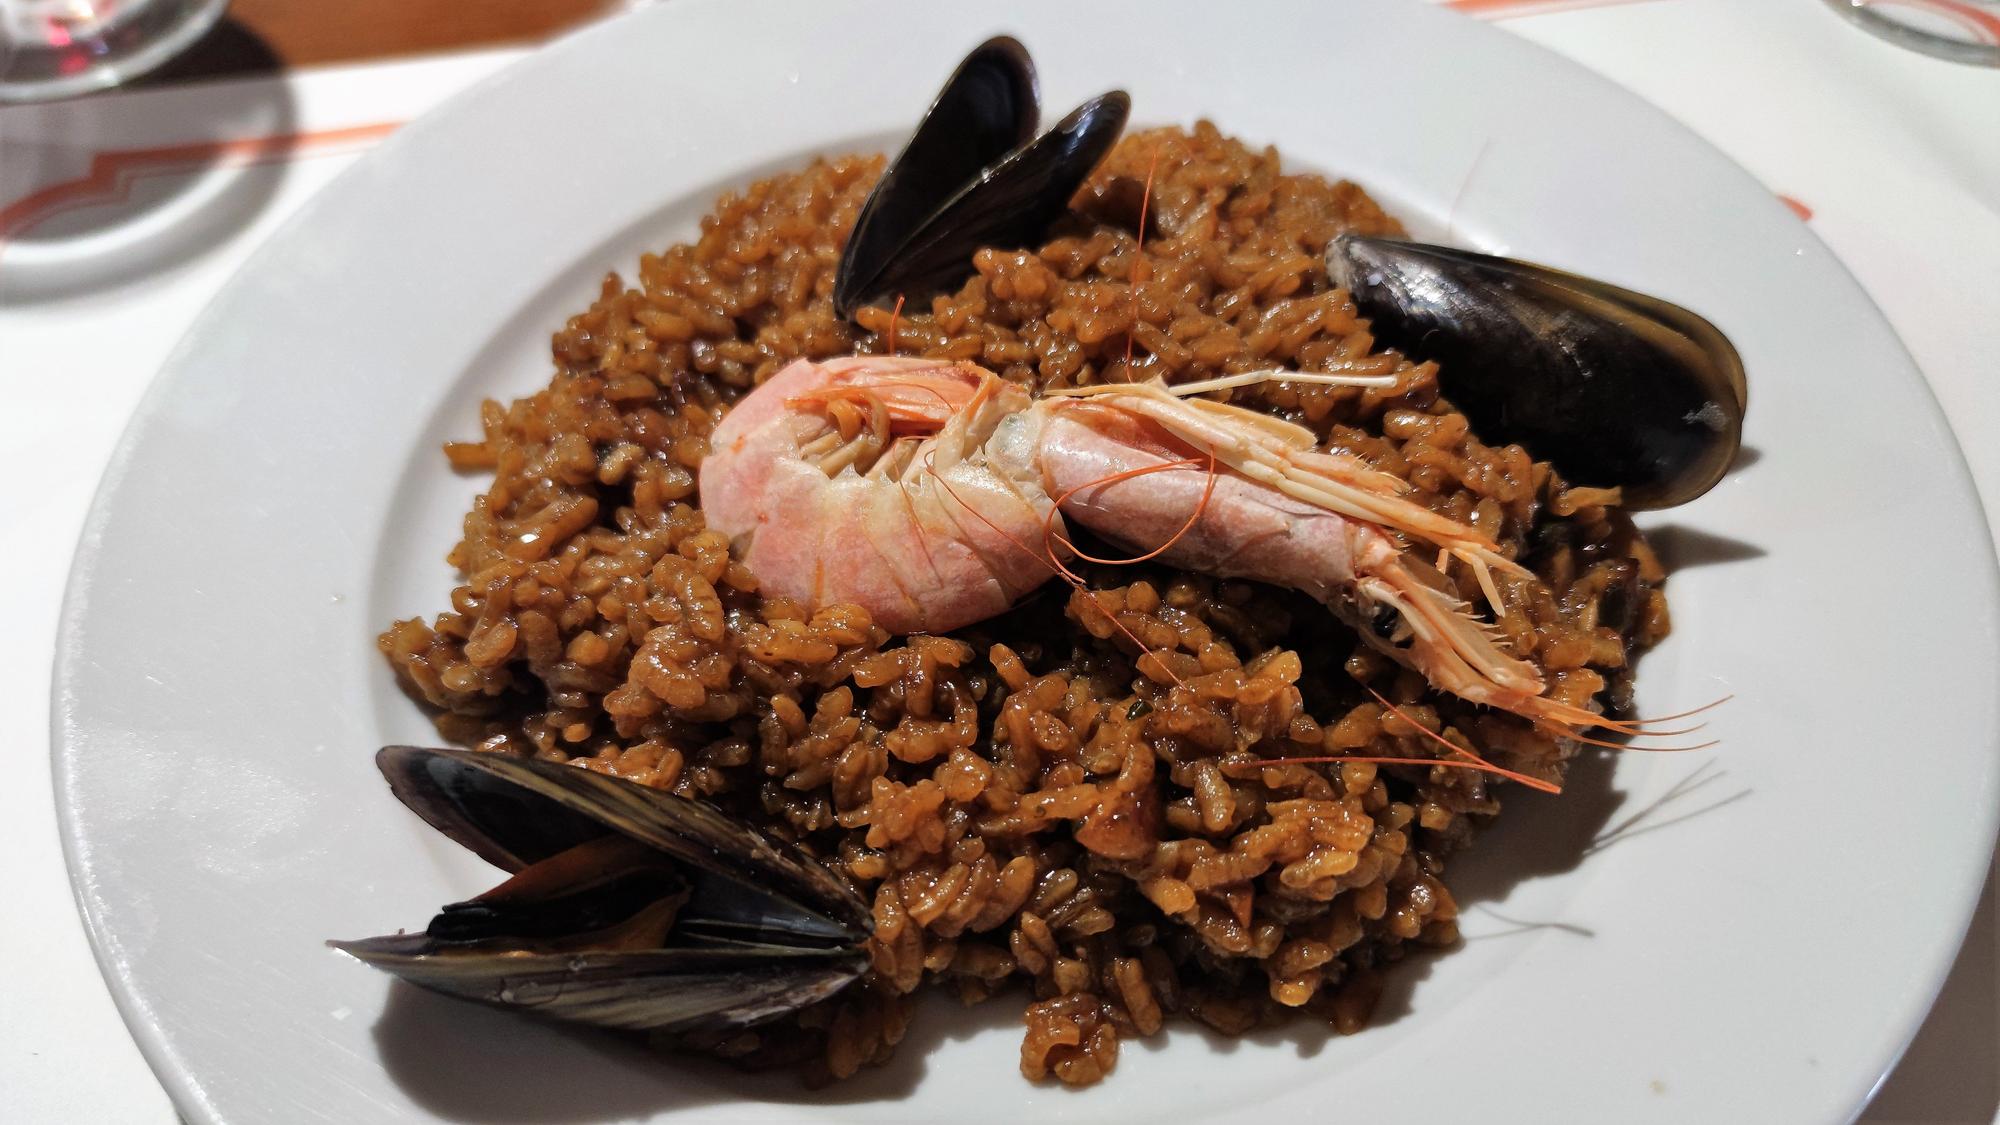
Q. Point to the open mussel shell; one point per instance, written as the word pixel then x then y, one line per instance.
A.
pixel 919 228
pixel 1012 204
pixel 1614 387
pixel 987 109
pixel 744 927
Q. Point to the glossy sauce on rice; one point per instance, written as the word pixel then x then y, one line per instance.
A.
pixel 1032 813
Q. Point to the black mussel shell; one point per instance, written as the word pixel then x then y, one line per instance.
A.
pixel 925 218
pixel 512 812
pixel 1614 387
pixel 987 109
pixel 1013 204
pixel 675 990
pixel 757 927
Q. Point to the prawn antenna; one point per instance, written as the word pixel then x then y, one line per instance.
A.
pixel 1462 758
pixel 1138 255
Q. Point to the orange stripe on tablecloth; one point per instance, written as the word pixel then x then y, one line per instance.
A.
pixel 111 173
pixel 1502 9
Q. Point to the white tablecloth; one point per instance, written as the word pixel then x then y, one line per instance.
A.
pixel 121 215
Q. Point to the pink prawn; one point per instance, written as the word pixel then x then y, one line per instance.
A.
pixel 934 494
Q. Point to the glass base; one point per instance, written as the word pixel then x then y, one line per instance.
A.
pixel 46 56
pixel 1966 31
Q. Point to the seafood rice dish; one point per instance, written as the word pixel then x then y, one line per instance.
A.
pixel 1094 616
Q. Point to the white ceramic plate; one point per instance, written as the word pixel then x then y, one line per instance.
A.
pixel 1749 935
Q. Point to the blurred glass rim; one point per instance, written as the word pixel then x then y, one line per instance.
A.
pixel 156 31
pixel 1963 33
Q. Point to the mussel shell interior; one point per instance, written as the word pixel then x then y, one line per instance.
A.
pixel 1615 387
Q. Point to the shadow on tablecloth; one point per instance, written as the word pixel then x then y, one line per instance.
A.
pixel 1951 1073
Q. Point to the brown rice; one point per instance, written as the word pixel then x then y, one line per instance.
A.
pixel 1028 812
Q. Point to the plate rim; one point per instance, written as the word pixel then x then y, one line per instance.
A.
pixel 177 1078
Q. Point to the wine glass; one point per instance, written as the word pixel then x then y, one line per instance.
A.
pixel 1966 31
pixel 59 48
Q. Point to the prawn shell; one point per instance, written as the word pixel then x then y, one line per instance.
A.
pixel 1616 388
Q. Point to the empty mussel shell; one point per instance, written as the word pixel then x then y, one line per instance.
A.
pixel 628 907
pixel 1616 388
